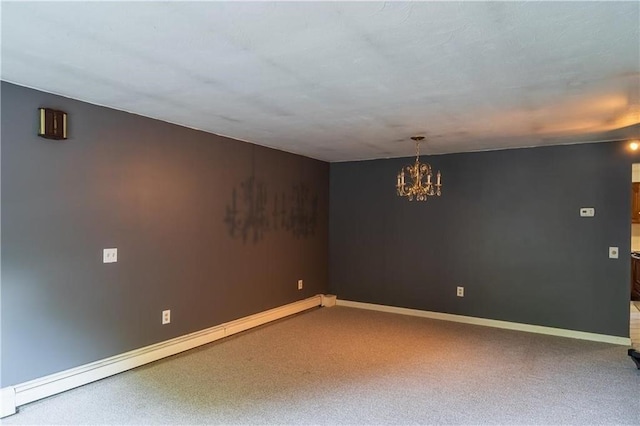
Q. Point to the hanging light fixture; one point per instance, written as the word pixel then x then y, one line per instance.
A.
pixel 418 187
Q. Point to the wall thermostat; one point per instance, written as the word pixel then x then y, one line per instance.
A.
pixel 587 212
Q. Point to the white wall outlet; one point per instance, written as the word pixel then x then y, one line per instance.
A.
pixel 460 291
pixel 587 212
pixel 300 284
pixel 110 255
pixel 166 316
pixel 613 252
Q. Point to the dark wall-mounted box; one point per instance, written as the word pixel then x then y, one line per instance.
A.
pixel 53 124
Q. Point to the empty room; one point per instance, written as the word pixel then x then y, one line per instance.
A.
pixel 320 213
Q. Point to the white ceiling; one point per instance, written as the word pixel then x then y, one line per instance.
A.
pixel 344 81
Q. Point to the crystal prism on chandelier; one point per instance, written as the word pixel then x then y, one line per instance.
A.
pixel 420 185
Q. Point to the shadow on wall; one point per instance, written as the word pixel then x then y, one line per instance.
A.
pixel 249 215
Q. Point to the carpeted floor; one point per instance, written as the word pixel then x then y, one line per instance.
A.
pixel 348 366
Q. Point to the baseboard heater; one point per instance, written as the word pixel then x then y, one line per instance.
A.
pixel 529 328
pixel 24 393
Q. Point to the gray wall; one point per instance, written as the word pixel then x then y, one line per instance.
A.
pixel 507 228
pixel 163 195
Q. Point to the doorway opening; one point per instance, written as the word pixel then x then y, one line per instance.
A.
pixel 634 297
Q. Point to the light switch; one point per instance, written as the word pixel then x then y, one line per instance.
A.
pixel 613 252
pixel 110 255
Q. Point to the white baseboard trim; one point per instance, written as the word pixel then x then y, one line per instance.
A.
pixel 15 396
pixel 616 340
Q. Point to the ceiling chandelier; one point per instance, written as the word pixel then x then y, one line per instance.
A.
pixel 418 188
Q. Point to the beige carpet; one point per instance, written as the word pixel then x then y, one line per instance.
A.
pixel 348 366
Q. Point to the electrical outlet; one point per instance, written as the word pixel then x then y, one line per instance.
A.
pixel 613 252
pixel 299 284
pixel 460 291
pixel 110 255
pixel 166 316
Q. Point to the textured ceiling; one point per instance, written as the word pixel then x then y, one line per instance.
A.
pixel 344 81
